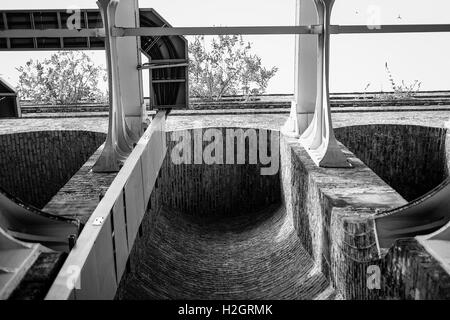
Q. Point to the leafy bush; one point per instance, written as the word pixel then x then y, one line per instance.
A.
pixel 226 68
pixel 67 77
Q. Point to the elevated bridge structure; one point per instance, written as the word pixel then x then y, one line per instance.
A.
pixel 97 259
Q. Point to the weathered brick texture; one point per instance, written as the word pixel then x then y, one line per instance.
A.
pixel 333 215
pixel 221 233
pixel 35 165
pixel 411 159
pixel 411 273
pixel 210 191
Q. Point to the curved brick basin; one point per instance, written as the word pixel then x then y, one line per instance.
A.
pixel 411 159
pixel 35 165
pixel 190 260
pixel 221 233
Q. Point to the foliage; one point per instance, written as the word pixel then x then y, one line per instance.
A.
pixel 226 68
pixel 401 90
pixel 67 77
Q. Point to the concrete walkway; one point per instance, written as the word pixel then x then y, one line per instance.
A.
pixel 269 119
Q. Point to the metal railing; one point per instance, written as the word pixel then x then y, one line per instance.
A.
pixel 244 30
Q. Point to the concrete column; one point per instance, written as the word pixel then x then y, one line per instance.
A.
pixel 305 90
pixel 318 139
pixel 129 57
pixel 120 139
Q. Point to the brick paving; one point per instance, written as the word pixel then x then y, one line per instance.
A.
pixel 81 194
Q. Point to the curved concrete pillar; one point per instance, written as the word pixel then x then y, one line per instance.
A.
pixel 319 139
pixel 302 108
pixel 120 139
pixel 128 58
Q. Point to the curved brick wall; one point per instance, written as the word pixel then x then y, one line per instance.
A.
pixel 411 159
pixel 209 191
pixel 230 259
pixel 317 243
pixel 35 165
pixel 219 232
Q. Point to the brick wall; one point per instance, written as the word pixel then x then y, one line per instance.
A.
pixel 204 192
pixel 209 191
pixel 35 165
pixel 411 159
pixel 134 267
pixel 412 273
pixel 333 212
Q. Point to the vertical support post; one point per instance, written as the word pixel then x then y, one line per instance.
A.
pixel 119 141
pixel 302 107
pixel 129 57
pixel 319 139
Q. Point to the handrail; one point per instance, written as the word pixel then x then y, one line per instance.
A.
pixel 96 264
pixel 279 30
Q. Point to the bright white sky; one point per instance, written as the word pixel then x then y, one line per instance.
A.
pixel 356 60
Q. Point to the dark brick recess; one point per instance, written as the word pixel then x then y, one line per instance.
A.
pixel 323 228
pixel 228 237
pixel 411 159
pixel 230 259
pixel 209 191
pixel 35 165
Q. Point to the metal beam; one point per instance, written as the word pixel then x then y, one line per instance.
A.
pixel 51 33
pixel 405 28
pixel 259 30
pixel 162 66
pixel 190 31
pixel 279 30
